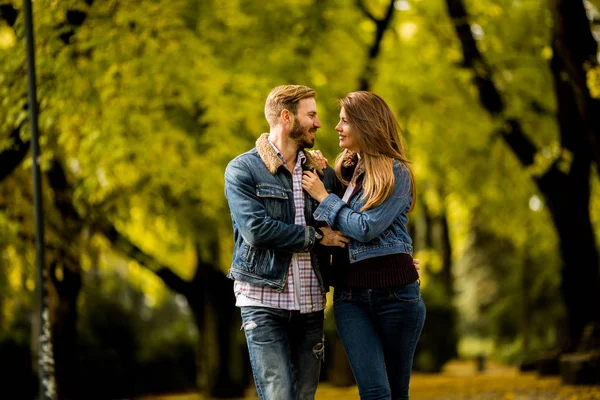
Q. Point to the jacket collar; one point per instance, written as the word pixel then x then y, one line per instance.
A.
pixel 272 160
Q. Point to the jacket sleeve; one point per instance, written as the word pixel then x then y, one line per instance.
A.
pixel 249 213
pixel 367 225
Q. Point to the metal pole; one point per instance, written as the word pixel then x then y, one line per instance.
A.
pixel 46 356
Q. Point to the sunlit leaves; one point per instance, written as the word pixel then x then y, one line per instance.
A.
pixel 593 82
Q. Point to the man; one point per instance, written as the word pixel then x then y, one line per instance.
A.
pixel 278 284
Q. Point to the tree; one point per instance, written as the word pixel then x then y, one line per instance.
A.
pixel 565 184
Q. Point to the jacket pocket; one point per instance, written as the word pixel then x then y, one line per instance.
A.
pixel 275 199
pixel 247 253
pixel 253 257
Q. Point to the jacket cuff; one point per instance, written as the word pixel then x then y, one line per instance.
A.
pixel 311 239
pixel 328 209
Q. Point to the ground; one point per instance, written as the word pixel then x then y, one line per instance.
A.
pixel 460 381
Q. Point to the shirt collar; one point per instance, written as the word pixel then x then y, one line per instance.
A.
pixel 301 156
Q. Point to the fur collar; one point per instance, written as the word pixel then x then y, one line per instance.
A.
pixel 272 160
pixel 352 167
pixel 350 159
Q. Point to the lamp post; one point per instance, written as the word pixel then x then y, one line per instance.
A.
pixel 46 355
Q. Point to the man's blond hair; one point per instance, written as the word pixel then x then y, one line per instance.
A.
pixel 285 97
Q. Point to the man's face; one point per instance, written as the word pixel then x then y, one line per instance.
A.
pixel 306 123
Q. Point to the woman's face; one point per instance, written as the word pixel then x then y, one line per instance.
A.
pixel 346 133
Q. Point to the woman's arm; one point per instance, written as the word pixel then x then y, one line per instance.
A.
pixel 363 226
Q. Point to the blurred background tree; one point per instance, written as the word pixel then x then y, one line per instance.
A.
pixel 143 103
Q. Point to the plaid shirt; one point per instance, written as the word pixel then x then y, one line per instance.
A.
pixel 303 290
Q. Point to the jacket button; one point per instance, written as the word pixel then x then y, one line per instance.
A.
pixel 354 256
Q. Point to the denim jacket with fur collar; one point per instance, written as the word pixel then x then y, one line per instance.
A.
pixel 259 191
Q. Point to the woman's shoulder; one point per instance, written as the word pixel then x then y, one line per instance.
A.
pixel 400 167
pixel 402 173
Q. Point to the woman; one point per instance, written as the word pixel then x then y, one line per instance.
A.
pixel 379 312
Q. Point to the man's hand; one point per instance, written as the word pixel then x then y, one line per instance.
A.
pixel 333 238
pixel 319 158
pixel 417 264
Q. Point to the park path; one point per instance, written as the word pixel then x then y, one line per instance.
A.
pixel 461 381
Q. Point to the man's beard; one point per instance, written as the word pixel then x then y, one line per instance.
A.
pixel 299 135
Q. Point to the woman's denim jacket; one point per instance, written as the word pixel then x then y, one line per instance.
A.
pixel 378 231
pixel 259 191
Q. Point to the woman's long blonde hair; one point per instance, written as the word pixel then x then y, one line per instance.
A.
pixel 378 135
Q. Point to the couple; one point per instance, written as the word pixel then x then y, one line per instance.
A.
pixel 299 228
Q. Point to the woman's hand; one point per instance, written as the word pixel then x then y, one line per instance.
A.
pixel 313 185
pixel 321 161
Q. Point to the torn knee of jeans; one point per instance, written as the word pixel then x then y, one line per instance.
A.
pixel 248 326
pixel 319 351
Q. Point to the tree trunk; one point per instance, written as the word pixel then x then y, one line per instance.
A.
pixel 224 369
pixel 574 49
pixel 381 26
pixel 64 331
pixel 64 326
pixel 575 46
pixel 446 251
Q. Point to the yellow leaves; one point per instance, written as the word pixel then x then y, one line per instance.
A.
pixel 160 237
pixel 30 284
pixel 15 275
pixel 319 78
pixel 593 81
pixel 407 30
pixel 459 220
pixel 147 283
pixel 431 263
pixel 564 163
pixel 367 26
pixel 549 155
pixel 494 10
pixel 454 55
pixel 7 37
pixel 434 201
pixel 547 52
pixel 459 380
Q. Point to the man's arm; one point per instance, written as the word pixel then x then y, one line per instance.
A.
pixel 250 215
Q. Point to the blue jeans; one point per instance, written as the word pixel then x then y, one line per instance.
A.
pixel 286 349
pixel 379 329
